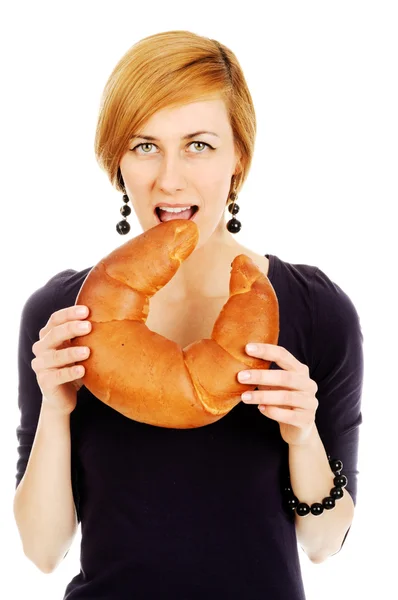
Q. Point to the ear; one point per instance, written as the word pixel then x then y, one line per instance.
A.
pixel 238 165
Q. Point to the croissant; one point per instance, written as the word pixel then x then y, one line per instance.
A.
pixel 147 377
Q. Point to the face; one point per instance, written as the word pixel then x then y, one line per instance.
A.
pixel 178 168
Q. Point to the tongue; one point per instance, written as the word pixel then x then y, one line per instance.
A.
pixel 169 216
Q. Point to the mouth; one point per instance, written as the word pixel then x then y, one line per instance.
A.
pixel 188 215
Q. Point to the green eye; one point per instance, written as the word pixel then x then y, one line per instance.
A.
pixel 149 144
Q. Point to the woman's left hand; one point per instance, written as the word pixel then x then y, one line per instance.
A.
pixel 293 403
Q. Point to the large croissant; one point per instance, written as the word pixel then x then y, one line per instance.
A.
pixel 148 377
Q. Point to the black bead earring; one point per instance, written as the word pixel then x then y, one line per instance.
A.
pixel 123 227
pixel 233 225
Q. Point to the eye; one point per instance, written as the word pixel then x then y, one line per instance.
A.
pixel 141 145
pixel 203 144
pixel 149 144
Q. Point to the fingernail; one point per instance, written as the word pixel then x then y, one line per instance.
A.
pixel 81 311
pixel 251 347
pixel 246 396
pixel 244 375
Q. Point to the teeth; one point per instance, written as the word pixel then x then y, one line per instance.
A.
pixel 174 210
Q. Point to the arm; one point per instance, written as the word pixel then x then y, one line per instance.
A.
pixel 44 507
pixel 311 481
pixel 337 366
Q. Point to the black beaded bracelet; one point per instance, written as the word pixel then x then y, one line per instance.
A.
pixel 337 492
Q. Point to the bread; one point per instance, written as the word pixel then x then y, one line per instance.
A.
pixel 147 377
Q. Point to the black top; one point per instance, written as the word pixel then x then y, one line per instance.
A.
pixel 197 513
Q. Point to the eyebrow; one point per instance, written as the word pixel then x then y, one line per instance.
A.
pixel 185 137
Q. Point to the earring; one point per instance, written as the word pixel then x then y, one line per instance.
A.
pixel 123 227
pixel 233 225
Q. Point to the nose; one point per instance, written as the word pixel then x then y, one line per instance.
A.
pixel 171 173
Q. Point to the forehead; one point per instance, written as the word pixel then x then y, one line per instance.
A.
pixel 203 114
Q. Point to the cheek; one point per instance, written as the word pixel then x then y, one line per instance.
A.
pixel 213 178
pixel 218 188
pixel 133 170
pixel 134 177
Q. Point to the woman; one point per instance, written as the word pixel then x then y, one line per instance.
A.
pixel 207 512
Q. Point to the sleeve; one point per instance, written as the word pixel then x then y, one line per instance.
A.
pixel 35 314
pixel 337 368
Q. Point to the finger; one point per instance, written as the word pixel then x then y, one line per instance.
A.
pixel 51 378
pixel 282 415
pixel 52 358
pixel 277 398
pixel 60 334
pixel 279 378
pixel 280 356
pixel 62 316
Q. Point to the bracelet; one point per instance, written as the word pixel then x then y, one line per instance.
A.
pixel 337 492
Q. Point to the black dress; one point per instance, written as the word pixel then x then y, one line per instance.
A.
pixel 198 514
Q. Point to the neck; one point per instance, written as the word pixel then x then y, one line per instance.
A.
pixel 206 272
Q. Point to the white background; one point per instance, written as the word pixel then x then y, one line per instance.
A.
pixel 321 191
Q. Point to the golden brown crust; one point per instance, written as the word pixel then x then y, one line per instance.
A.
pixel 148 377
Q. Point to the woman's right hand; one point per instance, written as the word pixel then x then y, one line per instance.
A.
pixel 55 361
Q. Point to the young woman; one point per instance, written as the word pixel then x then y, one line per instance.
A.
pixel 208 512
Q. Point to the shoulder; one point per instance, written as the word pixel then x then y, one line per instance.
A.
pixel 337 333
pixel 327 316
pixel 326 299
pixel 293 283
pixel 57 292
pixel 292 276
pixel 333 308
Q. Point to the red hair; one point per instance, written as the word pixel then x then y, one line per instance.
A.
pixel 168 70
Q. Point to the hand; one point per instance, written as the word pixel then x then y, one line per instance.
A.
pixel 55 361
pixel 293 403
